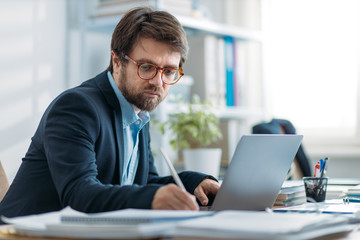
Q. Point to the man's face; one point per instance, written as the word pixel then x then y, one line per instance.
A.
pixel 145 94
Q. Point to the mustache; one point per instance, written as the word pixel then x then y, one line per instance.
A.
pixel 154 89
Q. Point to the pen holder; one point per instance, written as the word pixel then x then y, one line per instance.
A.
pixel 315 188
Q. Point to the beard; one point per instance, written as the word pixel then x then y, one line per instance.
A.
pixel 138 99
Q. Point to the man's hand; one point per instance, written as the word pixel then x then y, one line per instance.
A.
pixel 172 197
pixel 206 187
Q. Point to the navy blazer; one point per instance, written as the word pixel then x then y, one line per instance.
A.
pixel 75 158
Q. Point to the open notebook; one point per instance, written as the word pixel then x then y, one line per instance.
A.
pixel 256 172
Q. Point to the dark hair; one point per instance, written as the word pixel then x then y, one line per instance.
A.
pixel 144 22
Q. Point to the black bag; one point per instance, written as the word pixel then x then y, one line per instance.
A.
pixel 278 126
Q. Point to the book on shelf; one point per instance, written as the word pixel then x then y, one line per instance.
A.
pixel 119 7
pixel 220 66
pixel 239 72
pixel 229 71
pixel 217 65
pixel 203 65
pixel 235 71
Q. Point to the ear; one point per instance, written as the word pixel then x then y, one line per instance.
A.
pixel 116 62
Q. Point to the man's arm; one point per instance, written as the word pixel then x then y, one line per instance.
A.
pixel 80 151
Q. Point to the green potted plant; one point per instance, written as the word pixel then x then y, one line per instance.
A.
pixel 193 130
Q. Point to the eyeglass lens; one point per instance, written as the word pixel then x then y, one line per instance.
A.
pixel 149 71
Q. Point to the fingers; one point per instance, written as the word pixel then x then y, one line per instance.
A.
pixel 205 188
pixel 172 197
pixel 201 196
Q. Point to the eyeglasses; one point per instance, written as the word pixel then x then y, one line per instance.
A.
pixel 148 71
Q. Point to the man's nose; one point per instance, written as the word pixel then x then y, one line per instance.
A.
pixel 157 81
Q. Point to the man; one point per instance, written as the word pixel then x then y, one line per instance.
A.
pixel 91 150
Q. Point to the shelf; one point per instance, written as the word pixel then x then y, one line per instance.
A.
pixel 229 113
pixel 238 113
pixel 201 25
pixel 223 30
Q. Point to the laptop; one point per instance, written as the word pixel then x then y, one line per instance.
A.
pixel 256 172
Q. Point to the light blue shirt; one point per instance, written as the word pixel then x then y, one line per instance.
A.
pixel 132 124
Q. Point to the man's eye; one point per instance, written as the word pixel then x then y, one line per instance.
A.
pixel 169 72
pixel 146 67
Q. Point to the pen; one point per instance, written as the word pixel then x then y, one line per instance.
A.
pixel 317 169
pixel 321 164
pixel 324 168
pixel 326 164
pixel 172 170
pixel 322 172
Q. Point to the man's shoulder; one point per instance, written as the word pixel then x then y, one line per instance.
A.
pixel 91 86
pixel 89 89
pixel 99 80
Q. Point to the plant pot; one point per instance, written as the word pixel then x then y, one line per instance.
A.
pixel 205 160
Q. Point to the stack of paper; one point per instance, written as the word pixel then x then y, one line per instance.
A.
pixel 353 190
pixel 334 206
pixel 291 193
pixel 338 187
pixel 262 225
pixel 135 224
pixel 121 224
pixel 352 194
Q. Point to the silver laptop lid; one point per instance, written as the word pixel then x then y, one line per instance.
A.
pixel 256 172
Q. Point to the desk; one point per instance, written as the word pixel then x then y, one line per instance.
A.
pixel 238 220
pixel 4 229
pixel 4 234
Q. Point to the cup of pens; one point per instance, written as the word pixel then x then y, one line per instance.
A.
pixel 315 187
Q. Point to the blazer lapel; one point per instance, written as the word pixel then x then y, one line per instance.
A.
pixel 103 83
pixel 120 142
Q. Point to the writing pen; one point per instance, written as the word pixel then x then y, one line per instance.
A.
pixel 324 168
pixel 317 169
pixel 172 170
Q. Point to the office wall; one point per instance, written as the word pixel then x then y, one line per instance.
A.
pixel 32 72
pixel 88 50
pixel 344 163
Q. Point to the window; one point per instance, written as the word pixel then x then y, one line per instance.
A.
pixel 312 66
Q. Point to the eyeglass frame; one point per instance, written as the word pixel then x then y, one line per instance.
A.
pixel 181 73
